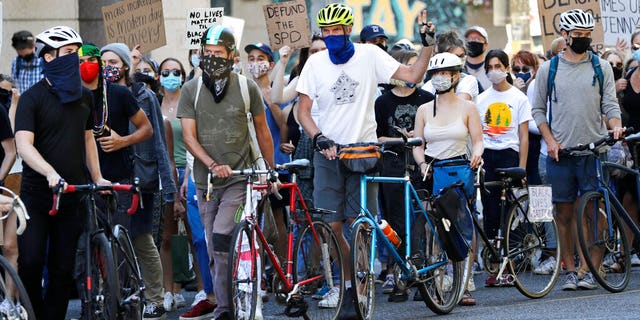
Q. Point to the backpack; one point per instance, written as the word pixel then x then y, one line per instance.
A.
pixel 553 69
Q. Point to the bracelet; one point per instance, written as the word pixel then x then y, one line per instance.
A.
pixel 421 163
pixel 212 165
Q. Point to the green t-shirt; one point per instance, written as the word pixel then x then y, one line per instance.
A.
pixel 221 127
pixel 179 150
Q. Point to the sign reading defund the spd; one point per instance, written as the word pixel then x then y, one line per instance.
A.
pixel 198 21
pixel 288 24
pixel 550 11
pixel 135 22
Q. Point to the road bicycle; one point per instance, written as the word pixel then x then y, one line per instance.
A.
pixel 315 262
pixel 112 287
pixel 15 303
pixel 604 226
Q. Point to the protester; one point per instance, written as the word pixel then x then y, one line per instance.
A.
pixel 477 43
pixel 26 68
pixel 374 34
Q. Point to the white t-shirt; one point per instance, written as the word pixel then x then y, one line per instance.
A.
pixel 468 84
pixel 346 93
pixel 501 113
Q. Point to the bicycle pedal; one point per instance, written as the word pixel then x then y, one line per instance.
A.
pixel 507 280
pixel 296 307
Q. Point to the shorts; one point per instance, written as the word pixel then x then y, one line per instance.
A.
pixel 571 176
pixel 339 192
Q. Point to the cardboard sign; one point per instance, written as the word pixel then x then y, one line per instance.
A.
pixel 135 22
pixel 540 205
pixel 620 19
pixel 550 11
pixel 198 21
pixel 288 24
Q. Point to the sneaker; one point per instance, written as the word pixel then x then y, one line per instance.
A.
pixel 471 285
pixel 389 284
pixel 330 299
pixel 5 307
pixel 202 310
pixel 201 295
pixel 154 311
pixel 476 269
pixel 12 311
pixel 570 282
pixel 546 266
pixel 319 295
pixel 635 261
pixel 382 276
pixel 178 300
pixel 168 302
pixel 587 282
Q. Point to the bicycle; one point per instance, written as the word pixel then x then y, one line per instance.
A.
pixel 110 257
pixel 21 309
pixel 438 279
pixel 315 261
pixel 602 218
pixel 520 243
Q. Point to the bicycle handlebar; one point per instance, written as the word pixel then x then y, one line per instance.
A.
pixel 63 187
pixel 406 142
pixel 594 145
pixel 20 210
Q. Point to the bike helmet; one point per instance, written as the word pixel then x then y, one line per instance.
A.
pixel 219 36
pixel 56 38
pixel 444 61
pixel 576 19
pixel 335 14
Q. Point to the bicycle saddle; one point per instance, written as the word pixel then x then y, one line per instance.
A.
pixel 295 165
pixel 634 138
pixel 515 173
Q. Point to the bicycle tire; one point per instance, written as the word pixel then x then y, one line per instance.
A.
pixel 615 245
pixel 104 283
pixel 534 243
pixel 22 308
pixel 315 257
pixel 244 279
pixel 129 275
pixel 362 275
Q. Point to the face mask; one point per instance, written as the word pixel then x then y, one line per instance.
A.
pixel 64 75
pixel 441 83
pixel 340 48
pixel 89 71
pixel 617 73
pixel 171 82
pixel 258 69
pixel 237 68
pixel 144 78
pixel 111 74
pixel 636 55
pixel 580 45
pixel 150 74
pixel 496 76
pixel 382 46
pixel 28 57
pixel 216 72
pixel 5 98
pixel 525 76
pixel 195 60
pixel 475 49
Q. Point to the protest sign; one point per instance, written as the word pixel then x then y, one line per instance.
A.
pixel 135 22
pixel 236 25
pixel 540 205
pixel 550 11
pixel 198 21
pixel 620 18
pixel 288 24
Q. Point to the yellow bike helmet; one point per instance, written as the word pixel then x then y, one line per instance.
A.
pixel 335 14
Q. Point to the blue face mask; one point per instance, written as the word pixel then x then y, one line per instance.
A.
pixel 64 75
pixel 525 76
pixel 340 48
pixel 171 82
pixel 195 60
pixel 410 85
pixel 636 55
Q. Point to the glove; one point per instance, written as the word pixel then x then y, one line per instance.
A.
pixel 428 38
pixel 323 143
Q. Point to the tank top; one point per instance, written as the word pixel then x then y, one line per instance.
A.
pixel 448 141
pixel 179 150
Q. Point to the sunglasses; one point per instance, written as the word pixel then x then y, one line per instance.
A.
pixel 176 72
pixel 524 69
pixel 619 64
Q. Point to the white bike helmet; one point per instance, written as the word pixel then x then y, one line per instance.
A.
pixel 444 61
pixel 56 38
pixel 576 19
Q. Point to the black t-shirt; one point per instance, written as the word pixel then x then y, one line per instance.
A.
pixel 115 165
pixel 631 104
pixel 5 130
pixel 392 110
pixel 59 131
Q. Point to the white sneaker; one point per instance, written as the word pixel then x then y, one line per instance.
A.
pixel 389 284
pixel 168 302
pixel 471 285
pixel 546 267
pixel 635 261
pixel 5 307
pixel 178 300
pixel 201 295
pixel 330 299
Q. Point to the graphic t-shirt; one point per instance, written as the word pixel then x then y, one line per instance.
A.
pixel 345 93
pixel 392 110
pixel 501 113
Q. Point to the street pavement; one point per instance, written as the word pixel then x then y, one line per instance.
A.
pixel 493 303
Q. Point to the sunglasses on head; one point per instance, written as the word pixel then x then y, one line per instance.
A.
pixel 524 69
pixel 176 72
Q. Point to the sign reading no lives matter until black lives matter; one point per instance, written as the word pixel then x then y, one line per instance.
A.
pixel 135 22
pixel 288 24
pixel 198 21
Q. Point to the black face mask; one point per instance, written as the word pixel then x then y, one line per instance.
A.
pixel 141 77
pixel 28 57
pixel 580 45
pixel 382 46
pixel 5 98
pixel 475 49
pixel 617 73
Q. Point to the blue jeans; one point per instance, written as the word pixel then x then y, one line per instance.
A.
pixel 197 237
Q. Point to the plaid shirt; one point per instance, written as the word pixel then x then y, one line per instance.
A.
pixel 29 73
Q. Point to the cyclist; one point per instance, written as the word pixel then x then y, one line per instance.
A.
pixel 575 117
pixel 55 141
pixel 216 134
pixel 345 91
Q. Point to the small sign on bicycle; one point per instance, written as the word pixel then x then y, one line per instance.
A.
pixel 540 205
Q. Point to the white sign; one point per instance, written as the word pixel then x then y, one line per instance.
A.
pixel 236 25
pixel 619 19
pixel 540 205
pixel 198 21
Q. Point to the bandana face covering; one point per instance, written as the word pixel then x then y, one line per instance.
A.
pixel 216 72
pixel 64 75
pixel 111 74
pixel 340 48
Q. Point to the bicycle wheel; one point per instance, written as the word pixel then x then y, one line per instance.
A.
pixel 129 275
pixel 317 258
pixel 104 280
pixel 362 275
pixel 610 248
pixel 243 272
pixel 18 307
pixel 528 244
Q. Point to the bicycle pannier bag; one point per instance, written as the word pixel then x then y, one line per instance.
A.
pixel 360 158
pixel 448 172
pixel 453 222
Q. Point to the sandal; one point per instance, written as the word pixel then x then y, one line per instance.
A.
pixel 467 299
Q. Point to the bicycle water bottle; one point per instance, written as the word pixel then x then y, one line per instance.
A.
pixel 391 234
